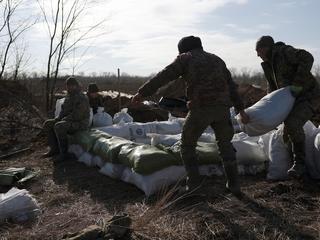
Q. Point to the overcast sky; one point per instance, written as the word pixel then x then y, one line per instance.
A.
pixel 142 35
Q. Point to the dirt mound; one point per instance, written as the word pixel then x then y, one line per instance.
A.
pixel 20 120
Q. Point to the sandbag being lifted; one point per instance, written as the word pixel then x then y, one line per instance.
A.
pixel 268 113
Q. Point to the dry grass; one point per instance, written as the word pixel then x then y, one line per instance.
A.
pixel 73 196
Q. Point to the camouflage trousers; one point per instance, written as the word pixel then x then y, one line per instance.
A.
pixel 57 132
pixel 294 134
pixel 197 120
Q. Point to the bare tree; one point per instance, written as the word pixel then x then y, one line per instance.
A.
pixel 11 28
pixel 20 61
pixel 62 19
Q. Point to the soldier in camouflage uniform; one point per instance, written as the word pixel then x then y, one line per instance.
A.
pixel 74 116
pixel 211 92
pixel 284 66
pixel 95 99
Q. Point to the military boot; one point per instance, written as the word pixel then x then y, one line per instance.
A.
pixel 298 168
pixel 63 146
pixel 231 171
pixel 53 145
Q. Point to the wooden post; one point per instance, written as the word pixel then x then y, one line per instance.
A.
pixel 119 93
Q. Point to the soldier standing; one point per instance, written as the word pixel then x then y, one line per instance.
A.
pixel 211 92
pixel 284 66
pixel 74 116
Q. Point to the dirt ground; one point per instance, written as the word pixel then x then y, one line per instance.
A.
pixel 73 196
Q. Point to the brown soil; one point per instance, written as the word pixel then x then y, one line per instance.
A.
pixel 73 196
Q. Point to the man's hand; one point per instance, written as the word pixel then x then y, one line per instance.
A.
pixel 244 117
pixel 137 99
pixel 295 90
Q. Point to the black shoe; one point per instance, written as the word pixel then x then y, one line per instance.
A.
pixel 297 171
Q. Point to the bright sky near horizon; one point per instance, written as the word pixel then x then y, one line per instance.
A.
pixel 143 34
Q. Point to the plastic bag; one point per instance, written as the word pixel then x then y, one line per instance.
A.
pixel 18 205
pixel 122 116
pixel 101 118
pixel 268 113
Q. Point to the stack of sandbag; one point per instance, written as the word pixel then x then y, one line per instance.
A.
pixel 137 131
pixel 279 153
pixel 268 113
pixel 150 167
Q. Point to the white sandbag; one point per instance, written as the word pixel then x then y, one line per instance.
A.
pixel 161 180
pixel 146 140
pixel 167 140
pixel 18 205
pixel 311 161
pixel 86 158
pixel 249 152
pixel 77 150
pixel 101 118
pixel 97 161
pixel 279 156
pixel 176 119
pixel 264 142
pixel 122 116
pixel 119 130
pixel 156 182
pixel 112 170
pixel 140 130
pixel 168 127
pixel 59 103
pixel 317 149
pixel 268 113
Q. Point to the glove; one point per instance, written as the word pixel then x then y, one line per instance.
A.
pixel 295 90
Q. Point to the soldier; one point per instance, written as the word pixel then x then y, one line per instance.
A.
pixel 74 116
pixel 284 66
pixel 95 99
pixel 211 92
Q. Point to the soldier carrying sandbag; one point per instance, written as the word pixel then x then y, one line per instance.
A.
pixel 284 66
pixel 74 116
pixel 211 92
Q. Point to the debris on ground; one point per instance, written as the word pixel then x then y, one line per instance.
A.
pixel 11 176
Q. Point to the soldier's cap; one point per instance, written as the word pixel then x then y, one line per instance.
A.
pixel 265 41
pixel 93 88
pixel 71 81
pixel 189 43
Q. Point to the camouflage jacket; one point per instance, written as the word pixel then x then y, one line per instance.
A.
pixel 208 81
pixel 291 66
pixel 76 109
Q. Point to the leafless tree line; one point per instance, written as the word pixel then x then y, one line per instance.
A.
pixel 62 19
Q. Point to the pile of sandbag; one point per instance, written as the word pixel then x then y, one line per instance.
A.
pixel 279 154
pixel 150 167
